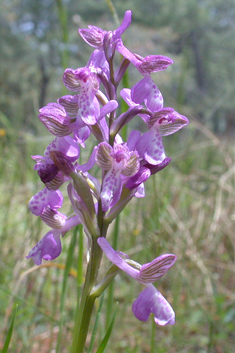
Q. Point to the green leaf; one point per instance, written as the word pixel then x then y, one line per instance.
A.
pixel 107 335
pixel 9 333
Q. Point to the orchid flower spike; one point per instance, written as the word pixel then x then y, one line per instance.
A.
pixel 150 300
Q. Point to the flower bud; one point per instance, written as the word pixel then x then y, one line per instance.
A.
pixel 83 190
pixel 109 48
pixel 93 36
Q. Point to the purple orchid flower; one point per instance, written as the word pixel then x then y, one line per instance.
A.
pixel 98 63
pixel 85 103
pixel 48 172
pixel 146 169
pixel 117 161
pixel 108 41
pixel 45 204
pixel 95 36
pixel 162 121
pixel 45 198
pixel 150 300
pixel 147 65
pixel 105 44
pixel 49 247
pixel 86 83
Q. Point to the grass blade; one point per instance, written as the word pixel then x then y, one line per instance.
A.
pixel 9 333
pixel 107 335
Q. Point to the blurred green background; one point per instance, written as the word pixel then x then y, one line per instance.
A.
pixel 189 207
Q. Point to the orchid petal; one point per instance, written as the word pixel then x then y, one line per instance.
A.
pixel 132 164
pixel 81 135
pixel 171 123
pixel 150 300
pixel 70 81
pixel 70 104
pixel 124 25
pixel 103 158
pixel 125 93
pixel 108 108
pixel 44 198
pixel 150 147
pixel 89 109
pixel 65 145
pixel 133 139
pixel 53 218
pixel 39 159
pixel 127 53
pixel 115 258
pixel 147 91
pixel 141 176
pixel 56 120
pixel 104 129
pixel 154 63
pixel 152 271
pixel 55 182
pixel 141 90
pixel 46 172
pixel 156 168
pixel 140 191
pixel 98 60
pixel 111 189
pixel 93 36
pixel 87 166
pixel 48 248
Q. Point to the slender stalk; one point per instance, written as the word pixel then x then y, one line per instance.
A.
pixel 63 21
pixel 109 309
pixel 80 257
pixel 113 11
pixel 96 324
pixel 84 312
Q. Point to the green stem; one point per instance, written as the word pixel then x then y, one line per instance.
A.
pixel 84 312
pixel 80 257
pixel 113 11
pixel 109 309
pixel 63 20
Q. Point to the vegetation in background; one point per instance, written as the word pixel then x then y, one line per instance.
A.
pixel 198 34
